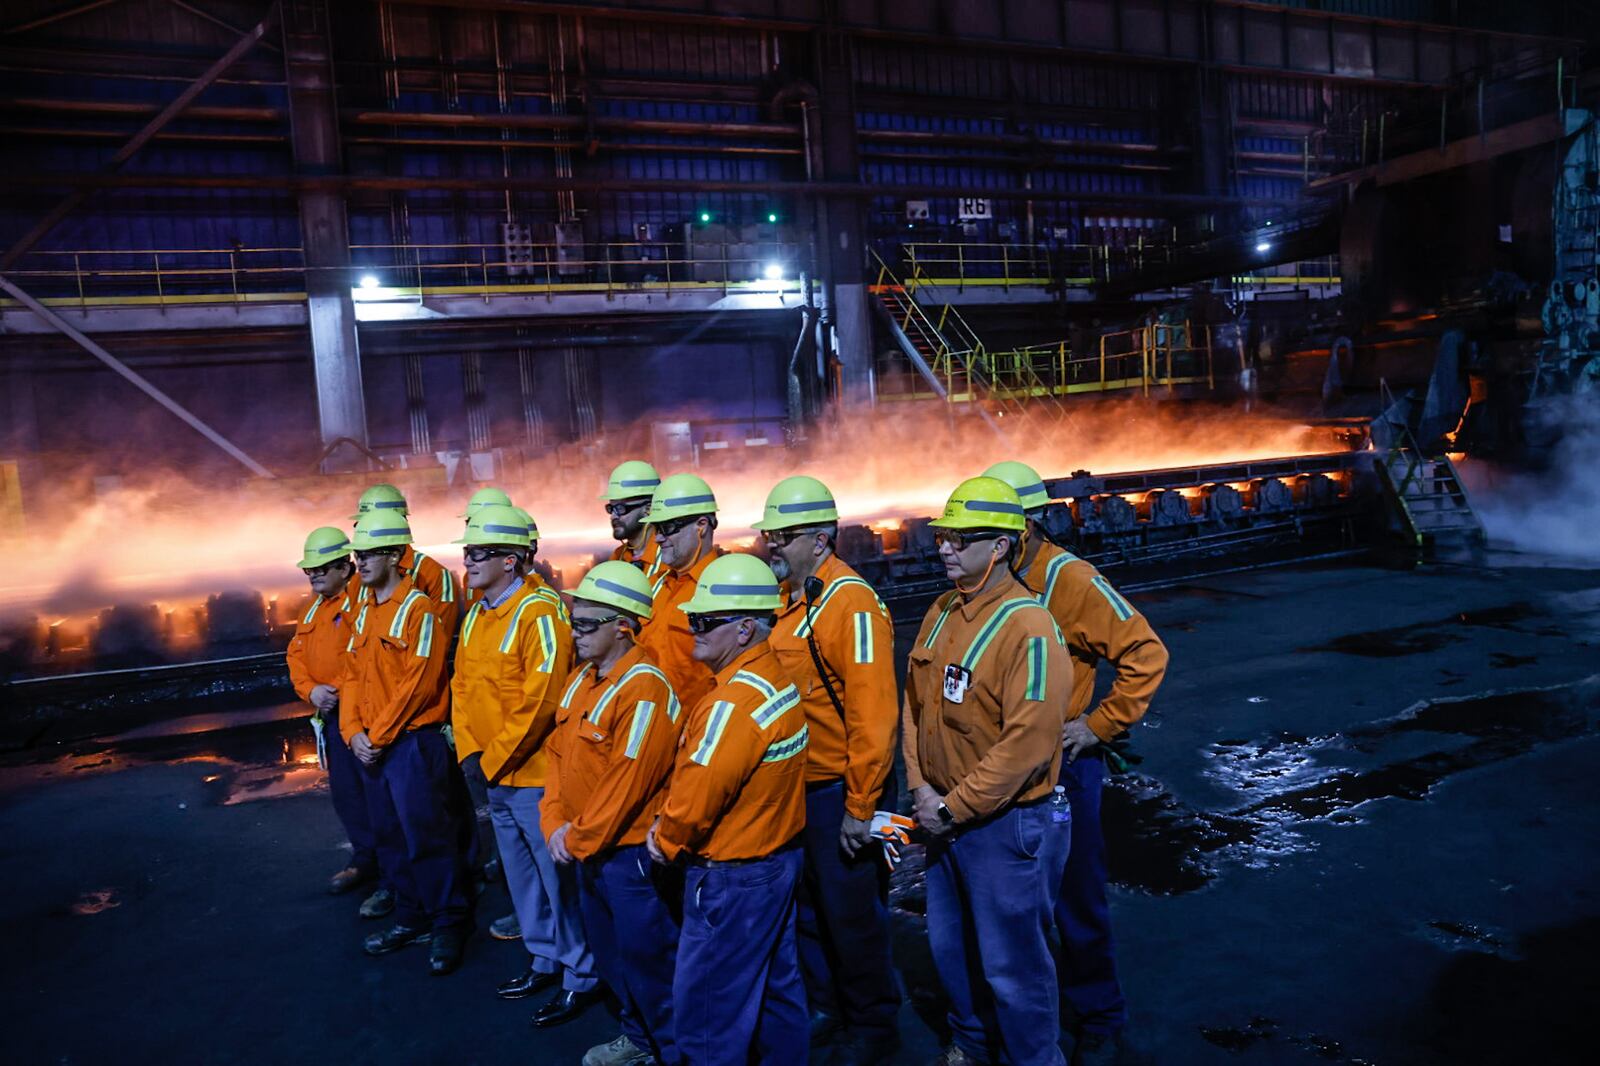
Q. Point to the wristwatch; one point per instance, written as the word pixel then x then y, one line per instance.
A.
pixel 945 816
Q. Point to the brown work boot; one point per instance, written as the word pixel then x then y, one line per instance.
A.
pixel 619 1052
pixel 348 878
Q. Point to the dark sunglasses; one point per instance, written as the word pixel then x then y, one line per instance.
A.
pixel 481 554
pixel 619 508
pixel 701 624
pixel 324 569
pixel 959 540
pixel 590 625
pixel 673 526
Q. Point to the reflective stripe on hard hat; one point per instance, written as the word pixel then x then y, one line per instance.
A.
pixel 683 501
pixel 612 586
pixel 814 505
pixel 644 483
pixel 401 532
pixel 743 590
pixel 989 507
pixel 516 531
pixel 1029 490
pixel 334 548
pixel 381 504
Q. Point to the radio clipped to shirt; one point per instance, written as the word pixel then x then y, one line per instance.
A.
pixel 957 679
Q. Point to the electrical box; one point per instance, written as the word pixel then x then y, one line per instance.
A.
pixel 569 248
pixel 517 238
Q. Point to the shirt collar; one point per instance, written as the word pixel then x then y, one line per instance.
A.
pixel 744 659
pixel 510 591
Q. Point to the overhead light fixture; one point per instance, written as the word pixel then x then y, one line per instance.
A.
pixel 773 272
pixel 705 216
pixel 369 281
pixel 772 216
pixel 1264 246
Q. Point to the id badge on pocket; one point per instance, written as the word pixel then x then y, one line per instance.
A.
pixel 957 679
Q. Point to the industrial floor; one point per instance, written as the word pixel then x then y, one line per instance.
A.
pixel 1365 830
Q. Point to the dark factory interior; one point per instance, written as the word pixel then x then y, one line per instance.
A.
pixel 1287 310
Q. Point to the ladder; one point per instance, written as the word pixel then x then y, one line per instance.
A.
pixel 1428 495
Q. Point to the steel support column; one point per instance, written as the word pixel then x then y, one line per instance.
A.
pixel 314 134
pixel 844 258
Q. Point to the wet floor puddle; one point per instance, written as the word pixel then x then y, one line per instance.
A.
pixel 267 753
pixel 1287 781
pixel 1425 637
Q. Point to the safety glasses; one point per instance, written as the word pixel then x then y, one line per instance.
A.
pixel 959 539
pixel 585 626
pixel 363 556
pixel 481 554
pixel 701 624
pixel 323 570
pixel 618 508
pixel 673 526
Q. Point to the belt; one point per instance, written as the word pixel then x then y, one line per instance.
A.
pixel 818 786
pixel 712 864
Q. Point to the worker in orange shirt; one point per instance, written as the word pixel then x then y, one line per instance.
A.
pixel 316 665
pixel 627 497
pixel 733 813
pixel 835 638
pixel 395 704
pixel 436 582
pixel 511 667
pixel 683 513
pixel 615 740
pixel 986 693
pixel 1098 624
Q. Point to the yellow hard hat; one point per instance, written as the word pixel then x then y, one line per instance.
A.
pixel 1025 479
pixel 324 545
pixel 681 495
pixel 617 584
pixel 381 529
pixel 798 501
pixel 527 519
pixel 983 503
pixel 631 481
pixel 381 497
pixel 734 583
pixel 495 523
pixel 485 496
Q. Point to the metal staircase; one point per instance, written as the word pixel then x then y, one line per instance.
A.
pixel 1428 495
pixel 954 361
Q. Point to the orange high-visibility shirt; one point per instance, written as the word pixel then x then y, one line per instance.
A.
pixel 738 789
pixel 511 666
pixel 321 641
pixel 610 755
pixel 1098 623
pixel 437 583
pixel 995 740
pixel 855 639
pixel 394 677
pixel 666 634
pixel 648 560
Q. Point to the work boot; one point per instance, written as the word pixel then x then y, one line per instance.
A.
pixel 507 928
pixel 347 879
pixel 620 1052
pixel 824 1028
pixel 396 937
pixel 444 953
pixel 378 905
pixel 1095 1049
pixel 493 871
pixel 861 1050
pixel 954 1056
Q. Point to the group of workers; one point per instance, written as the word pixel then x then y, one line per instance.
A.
pixel 688 766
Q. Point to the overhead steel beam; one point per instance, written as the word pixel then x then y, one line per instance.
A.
pixel 142 138
pixel 392 183
pixel 138 380
pixel 56 16
pixel 206 16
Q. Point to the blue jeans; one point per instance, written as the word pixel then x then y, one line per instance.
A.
pixel 843 923
pixel 347 786
pixel 991 899
pixel 417 801
pixel 737 990
pixel 543 893
pixel 1090 991
pixel 628 915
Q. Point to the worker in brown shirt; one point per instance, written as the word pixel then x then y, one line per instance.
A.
pixel 1098 624
pixel 735 807
pixel 986 692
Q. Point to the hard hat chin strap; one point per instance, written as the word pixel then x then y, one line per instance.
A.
pixel 988 570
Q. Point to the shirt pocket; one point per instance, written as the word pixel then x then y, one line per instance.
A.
pixel 595 735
